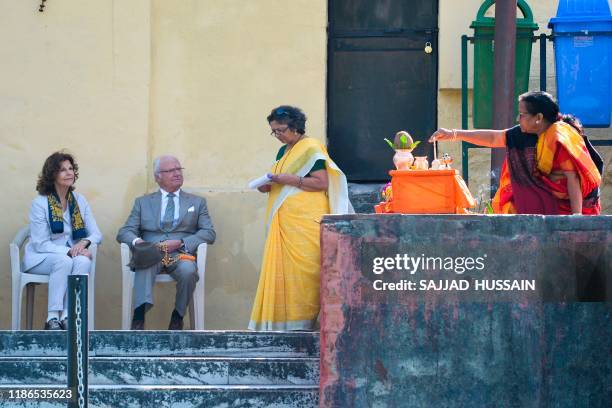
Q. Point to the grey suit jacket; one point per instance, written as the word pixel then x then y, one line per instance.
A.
pixel 193 225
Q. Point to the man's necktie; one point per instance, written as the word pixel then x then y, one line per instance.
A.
pixel 168 219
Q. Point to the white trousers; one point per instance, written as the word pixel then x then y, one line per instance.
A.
pixel 59 267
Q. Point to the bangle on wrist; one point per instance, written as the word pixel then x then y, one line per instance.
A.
pixel 454 135
pixel 300 182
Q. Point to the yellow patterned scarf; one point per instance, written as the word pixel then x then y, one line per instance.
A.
pixel 56 216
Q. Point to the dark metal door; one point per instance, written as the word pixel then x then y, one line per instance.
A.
pixel 380 80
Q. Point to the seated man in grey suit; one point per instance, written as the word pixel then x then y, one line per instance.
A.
pixel 179 221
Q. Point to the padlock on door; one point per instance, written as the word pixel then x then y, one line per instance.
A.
pixel 428 48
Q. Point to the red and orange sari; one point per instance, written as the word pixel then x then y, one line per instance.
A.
pixel 525 183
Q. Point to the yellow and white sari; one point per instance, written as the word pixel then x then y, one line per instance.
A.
pixel 288 292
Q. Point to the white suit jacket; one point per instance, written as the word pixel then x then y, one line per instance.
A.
pixel 43 243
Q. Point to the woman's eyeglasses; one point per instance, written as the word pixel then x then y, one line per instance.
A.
pixel 277 132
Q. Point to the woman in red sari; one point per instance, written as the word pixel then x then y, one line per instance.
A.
pixel 550 166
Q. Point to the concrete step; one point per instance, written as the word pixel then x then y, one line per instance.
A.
pixel 204 396
pixel 165 343
pixel 169 369
pixel 166 371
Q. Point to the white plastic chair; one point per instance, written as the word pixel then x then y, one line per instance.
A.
pixel 196 306
pixel 30 280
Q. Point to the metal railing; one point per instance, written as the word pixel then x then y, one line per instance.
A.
pixel 78 340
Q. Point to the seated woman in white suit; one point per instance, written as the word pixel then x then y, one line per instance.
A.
pixel 62 227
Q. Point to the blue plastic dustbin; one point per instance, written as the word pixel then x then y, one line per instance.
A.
pixel 582 36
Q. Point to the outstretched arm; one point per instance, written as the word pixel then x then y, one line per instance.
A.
pixel 480 137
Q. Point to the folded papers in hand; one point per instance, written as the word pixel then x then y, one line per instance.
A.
pixel 260 181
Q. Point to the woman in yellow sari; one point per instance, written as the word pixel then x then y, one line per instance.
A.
pixel 305 185
pixel 550 167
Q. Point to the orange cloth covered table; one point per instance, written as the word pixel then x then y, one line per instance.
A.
pixel 427 192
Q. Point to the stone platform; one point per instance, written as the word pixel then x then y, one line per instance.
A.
pixel 466 311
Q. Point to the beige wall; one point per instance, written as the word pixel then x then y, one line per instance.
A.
pixel 77 77
pixel 119 82
pixel 218 68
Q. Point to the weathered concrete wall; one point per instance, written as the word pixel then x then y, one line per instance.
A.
pixel 466 348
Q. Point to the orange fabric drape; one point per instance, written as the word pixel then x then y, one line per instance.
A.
pixel 561 135
pixel 559 148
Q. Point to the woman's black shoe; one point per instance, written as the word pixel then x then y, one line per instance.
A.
pixel 53 324
pixel 64 323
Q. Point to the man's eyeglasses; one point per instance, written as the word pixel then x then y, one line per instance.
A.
pixel 169 171
pixel 276 132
